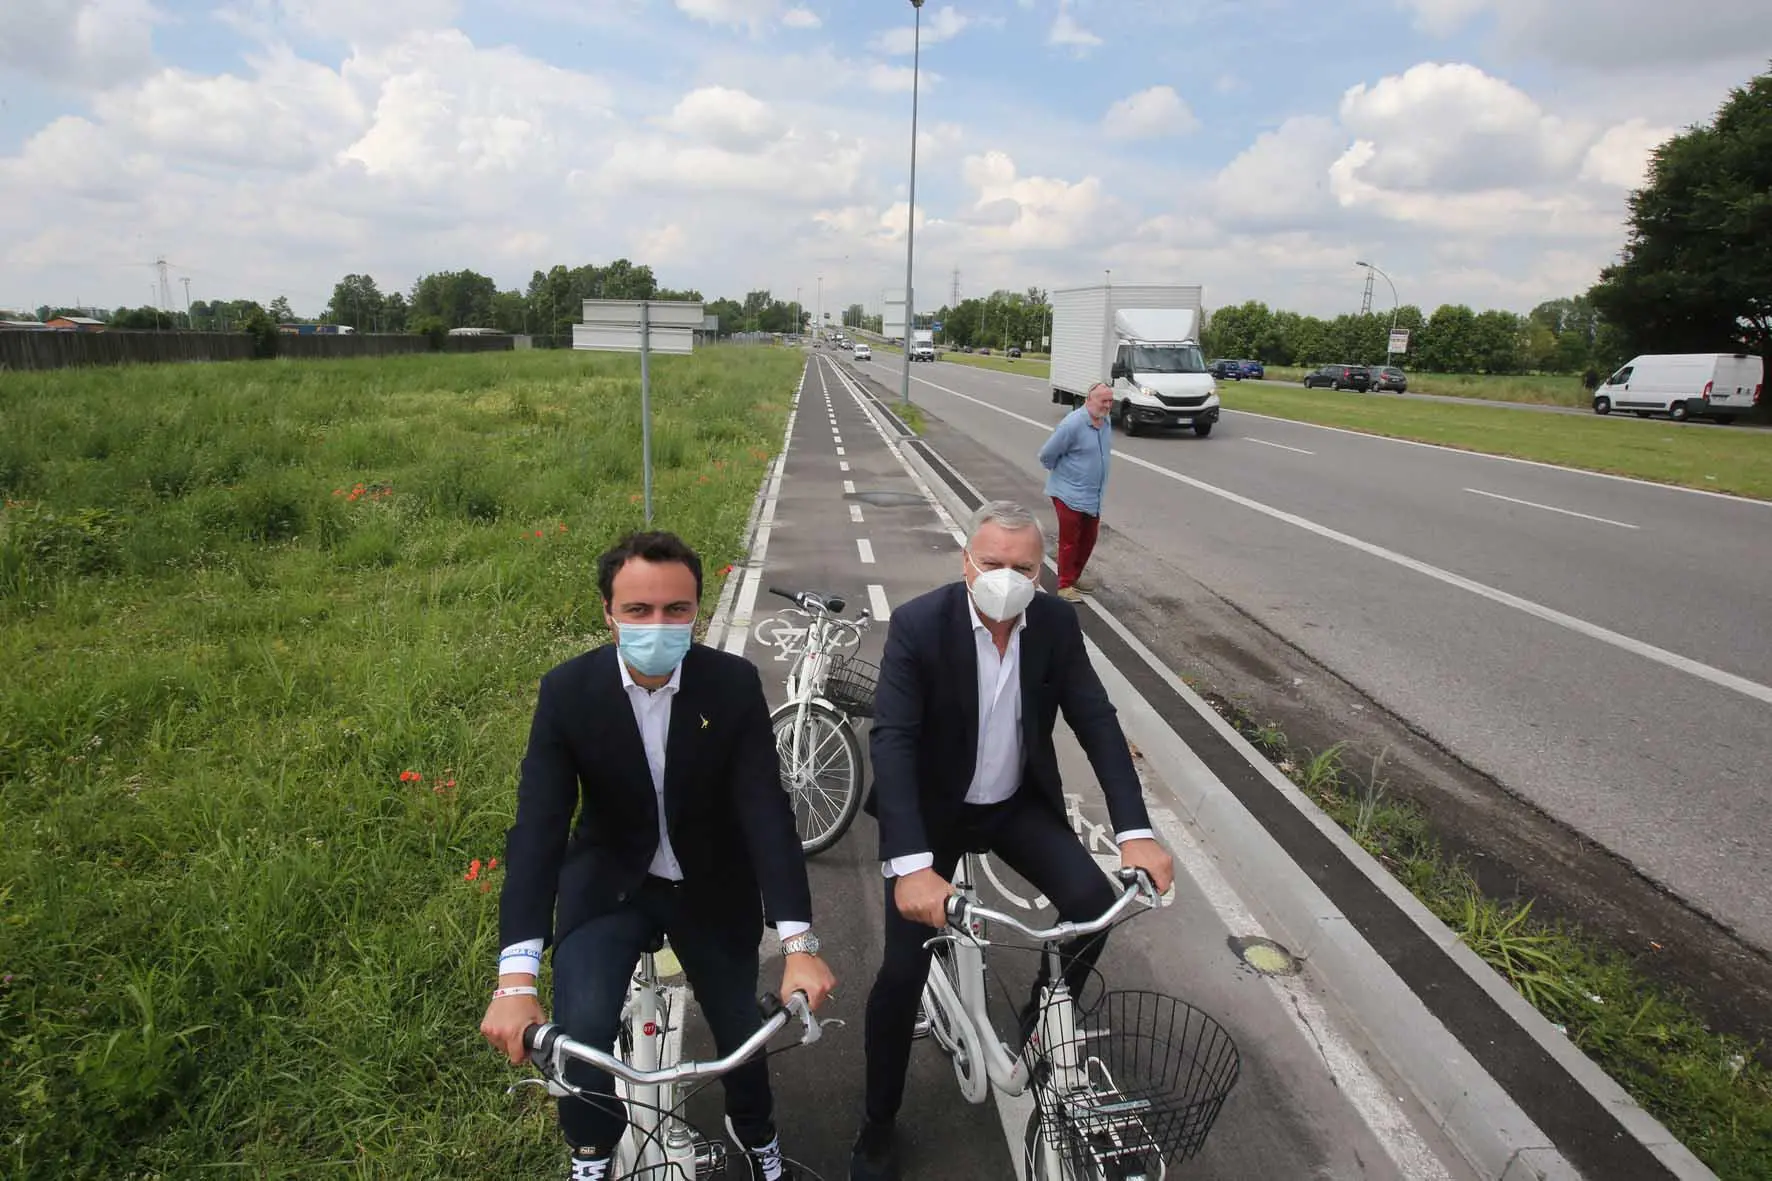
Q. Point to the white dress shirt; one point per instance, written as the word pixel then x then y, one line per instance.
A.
pixel 652 714
pixel 996 771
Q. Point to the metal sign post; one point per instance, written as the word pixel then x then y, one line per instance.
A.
pixel 638 325
pixel 646 403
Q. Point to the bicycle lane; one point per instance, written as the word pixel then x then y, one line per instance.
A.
pixel 860 523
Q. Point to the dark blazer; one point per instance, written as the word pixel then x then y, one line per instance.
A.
pixel 924 744
pixel 731 824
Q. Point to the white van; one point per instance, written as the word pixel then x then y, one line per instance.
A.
pixel 1722 386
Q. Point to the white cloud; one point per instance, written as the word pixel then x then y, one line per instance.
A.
pixel 1454 127
pixel 78 43
pixel 1066 31
pixel 895 79
pixel 1612 33
pixel 943 24
pixel 353 22
pixel 726 118
pixel 1621 156
pixel 1148 114
pixel 801 18
pixel 1281 180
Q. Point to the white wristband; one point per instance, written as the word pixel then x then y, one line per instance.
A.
pixel 516 990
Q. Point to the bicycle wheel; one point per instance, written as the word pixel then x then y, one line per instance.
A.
pixel 823 777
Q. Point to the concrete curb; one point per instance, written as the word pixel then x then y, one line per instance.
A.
pixel 1496 1137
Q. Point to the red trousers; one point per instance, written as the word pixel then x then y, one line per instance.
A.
pixel 1076 541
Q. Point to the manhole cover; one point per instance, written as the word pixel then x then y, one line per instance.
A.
pixel 886 499
pixel 1265 956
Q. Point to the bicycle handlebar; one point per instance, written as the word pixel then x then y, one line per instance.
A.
pixel 549 1047
pixel 1138 885
pixel 828 606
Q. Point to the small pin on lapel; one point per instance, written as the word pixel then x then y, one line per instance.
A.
pixel 704 721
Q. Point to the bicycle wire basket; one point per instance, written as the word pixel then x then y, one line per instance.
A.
pixel 849 685
pixel 1154 1073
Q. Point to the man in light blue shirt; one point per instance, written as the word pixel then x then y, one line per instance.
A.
pixel 1077 457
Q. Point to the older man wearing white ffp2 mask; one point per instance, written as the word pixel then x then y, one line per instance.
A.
pixel 1077 457
pixel 971 684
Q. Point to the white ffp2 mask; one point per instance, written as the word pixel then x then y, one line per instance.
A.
pixel 1001 594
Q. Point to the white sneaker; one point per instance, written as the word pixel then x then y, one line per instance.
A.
pixel 765 1162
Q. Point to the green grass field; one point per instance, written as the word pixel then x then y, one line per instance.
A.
pixel 273 632
pixel 1719 460
pixel 1537 389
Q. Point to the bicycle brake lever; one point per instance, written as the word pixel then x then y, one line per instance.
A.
pixel 815 1025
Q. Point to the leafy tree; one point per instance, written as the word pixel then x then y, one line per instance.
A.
pixel 356 301
pixel 393 313
pixel 280 311
pixel 1696 272
pixel 461 299
pixel 263 330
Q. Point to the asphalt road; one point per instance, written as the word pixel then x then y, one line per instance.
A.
pixel 849 519
pixel 1598 646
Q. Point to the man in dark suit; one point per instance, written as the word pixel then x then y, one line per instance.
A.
pixel 664 750
pixel 974 676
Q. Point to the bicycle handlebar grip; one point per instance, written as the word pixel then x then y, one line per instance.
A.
pixel 769 1005
pixel 542 1038
pixel 790 596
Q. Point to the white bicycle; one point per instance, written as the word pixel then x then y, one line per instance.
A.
pixel 785 633
pixel 652 1080
pixel 815 736
pixel 1122 1090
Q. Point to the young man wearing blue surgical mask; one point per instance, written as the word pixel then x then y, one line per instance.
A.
pixel 663 750
pixel 973 679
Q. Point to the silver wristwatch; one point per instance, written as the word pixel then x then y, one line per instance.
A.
pixel 805 943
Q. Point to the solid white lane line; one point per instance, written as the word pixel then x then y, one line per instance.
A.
pixel 1593 631
pixel 855 513
pixel 1550 508
pixel 1281 446
pixel 877 602
pixel 866 549
pixel 738 624
pixel 848 487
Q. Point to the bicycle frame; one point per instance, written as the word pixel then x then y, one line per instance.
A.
pixel 963 1000
pixel 806 679
pixel 652 1021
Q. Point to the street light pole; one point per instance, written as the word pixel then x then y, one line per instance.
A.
pixel 910 224
pixel 1394 305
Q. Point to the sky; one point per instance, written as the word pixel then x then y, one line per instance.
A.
pixel 1478 151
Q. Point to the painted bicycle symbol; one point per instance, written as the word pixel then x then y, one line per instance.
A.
pixel 1095 837
pixel 785 632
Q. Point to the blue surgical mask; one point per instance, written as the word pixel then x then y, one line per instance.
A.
pixel 654 649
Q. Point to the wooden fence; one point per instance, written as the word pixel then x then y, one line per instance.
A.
pixel 58 350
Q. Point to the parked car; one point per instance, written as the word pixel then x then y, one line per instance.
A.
pixel 984 352
pixel 863 353
pixel 1224 369
pixel 1339 377
pixel 1014 353
pixel 1253 369
pixel 1389 377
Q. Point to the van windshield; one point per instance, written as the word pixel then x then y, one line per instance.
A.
pixel 1183 358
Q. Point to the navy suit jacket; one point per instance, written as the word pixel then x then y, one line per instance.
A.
pixel 924 744
pixel 731 824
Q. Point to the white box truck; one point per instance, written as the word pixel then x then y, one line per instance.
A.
pixel 892 321
pixel 1144 342
pixel 1723 386
pixel 922 344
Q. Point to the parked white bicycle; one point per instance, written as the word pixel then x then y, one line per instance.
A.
pixel 653 1081
pixel 814 729
pixel 785 633
pixel 1122 1090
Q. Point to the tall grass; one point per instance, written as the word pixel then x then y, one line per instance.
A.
pixel 272 633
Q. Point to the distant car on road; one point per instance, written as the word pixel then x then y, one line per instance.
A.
pixel 863 353
pixel 1225 369
pixel 1339 377
pixel 1014 353
pixel 984 352
pixel 1253 369
pixel 1389 377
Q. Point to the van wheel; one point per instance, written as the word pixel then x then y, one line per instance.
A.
pixel 1128 423
pixel 1602 405
pixel 1202 429
pixel 1677 412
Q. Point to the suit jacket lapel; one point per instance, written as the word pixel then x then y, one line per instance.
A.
pixel 622 743
pixel 681 744
pixel 963 660
pixel 1036 654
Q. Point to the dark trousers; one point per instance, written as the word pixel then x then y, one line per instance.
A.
pixel 1034 839
pixel 1076 541
pixel 592 967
